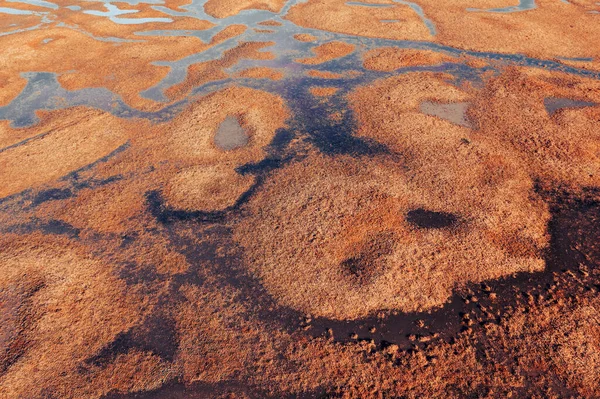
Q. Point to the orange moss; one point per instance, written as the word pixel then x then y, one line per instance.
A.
pixel 270 23
pixel 323 91
pixel 549 28
pixel 67 140
pixel 261 73
pixel 210 182
pixel 305 37
pixel 350 248
pixel 206 187
pixel 391 58
pixel 339 16
pixel 324 74
pixel 213 70
pixel 228 8
pixel 76 294
pixel 191 134
pixel 327 52
pixel 559 149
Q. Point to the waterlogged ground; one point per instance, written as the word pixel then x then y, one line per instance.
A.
pixel 313 199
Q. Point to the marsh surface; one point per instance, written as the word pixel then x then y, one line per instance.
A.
pixel 300 199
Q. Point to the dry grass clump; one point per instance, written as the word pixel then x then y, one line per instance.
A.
pixel 403 93
pixel 270 22
pixel 327 52
pixel 210 181
pixel 228 8
pixel 67 140
pixel 190 136
pixel 558 342
pixel 387 59
pixel 305 37
pixel 323 91
pixel 10 136
pixel 332 236
pixel 207 187
pixel 558 149
pixel 216 344
pixel 209 71
pixel 261 73
pixel 76 308
pixel 510 116
pixel 549 28
pixel 371 234
pixel 11 84
pixel 115 208
pixel 324 74
pixel 338 16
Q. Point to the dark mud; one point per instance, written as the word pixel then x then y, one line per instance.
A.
pixel 51 226
pixel 201 390
pixel 155 335
pixel 425 219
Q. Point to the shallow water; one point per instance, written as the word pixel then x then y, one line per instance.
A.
pixel 39 3
pixel 329 126
pixel 417 8
pixel 372 5
pixel 285 48
pixel 15 11
pixel 453 112
pixel 524 5
pixel 555 104
pixel 231 135
pixel 113 13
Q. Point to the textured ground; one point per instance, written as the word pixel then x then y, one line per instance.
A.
pixel 303 199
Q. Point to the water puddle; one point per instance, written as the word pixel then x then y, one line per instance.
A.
pixel 38 3
pixel 15 11
pixel 453 112
pixel 372 5
pixel 554 104
pixel 44 92
pixel 231 135
pixel 113 12
pixel 576 59
pixel 524 5
pixel 417 8
pixel 285 49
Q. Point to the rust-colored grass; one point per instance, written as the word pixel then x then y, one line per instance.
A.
pixel 327 52
pixel 67 140
pixel 227 8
